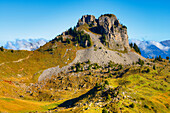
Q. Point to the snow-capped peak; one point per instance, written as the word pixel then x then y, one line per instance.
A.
pixel 152 48
pixel 160 46
pixel 31 44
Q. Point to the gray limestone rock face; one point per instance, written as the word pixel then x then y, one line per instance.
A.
pixel 89 19
pixel 116 33
pixel 108 24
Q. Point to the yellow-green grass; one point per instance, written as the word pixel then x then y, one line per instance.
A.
pixel 8 56
pixel 149 92
pixel 13 105
pixel 29 69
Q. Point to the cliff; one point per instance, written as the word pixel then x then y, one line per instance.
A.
pixel 108 25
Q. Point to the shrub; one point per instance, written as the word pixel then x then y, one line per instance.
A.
pixel 110 64
pixel 102 87
pixel 68 41
pixel 154 67
pixel 89 68
pixel 88 62
pixel 77 69
pixel 97 85
pixel 104 110
pixel 140 62
pixel 72 67
pixel 145 106
pixel 78 64
pixel 148 70
pixel 108 70
pixel 120 66
pixel 106 82
pixel 108 97
pixel 132 105
pixel 110 75
pixel 95 67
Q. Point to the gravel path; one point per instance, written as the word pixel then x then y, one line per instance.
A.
pixel 19 60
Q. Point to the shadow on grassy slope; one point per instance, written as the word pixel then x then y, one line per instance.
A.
pixel 71 102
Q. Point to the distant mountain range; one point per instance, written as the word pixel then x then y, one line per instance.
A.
pixel 30 44
pixel 148 49
pixel 151 49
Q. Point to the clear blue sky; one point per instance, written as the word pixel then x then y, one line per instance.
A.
pixel 24 19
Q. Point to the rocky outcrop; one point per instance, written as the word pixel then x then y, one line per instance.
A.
pixel 88 19
pixel 97 53
pixel 117 39
pixel 108 24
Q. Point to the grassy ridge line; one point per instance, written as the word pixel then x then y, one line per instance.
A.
pixel 25 69
pixel 8 56
pixel 19 60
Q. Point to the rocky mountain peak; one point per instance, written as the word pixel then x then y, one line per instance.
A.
pixel 108 25
pixel 88 19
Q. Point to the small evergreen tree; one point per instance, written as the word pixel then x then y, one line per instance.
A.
pixel 131 45
pixel 1 48
pixel 136 48
pixel 140 62
pixel 160 58
pixel 167 57
pixel 68 41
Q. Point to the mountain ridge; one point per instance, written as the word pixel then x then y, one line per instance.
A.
pixel 151 49
pixel 23 44
pixel 85 69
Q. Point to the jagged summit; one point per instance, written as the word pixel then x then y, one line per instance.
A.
pixel 108 25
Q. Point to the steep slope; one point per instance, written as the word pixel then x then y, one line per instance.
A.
pixel 99 53
pixel 166 43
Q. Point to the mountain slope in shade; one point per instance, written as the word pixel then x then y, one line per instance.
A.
pixel 31 44
pixel 166 43
pixel 152 48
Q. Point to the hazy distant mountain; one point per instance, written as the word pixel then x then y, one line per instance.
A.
pixel 31 44
pixel 166 43
pixel 152 48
